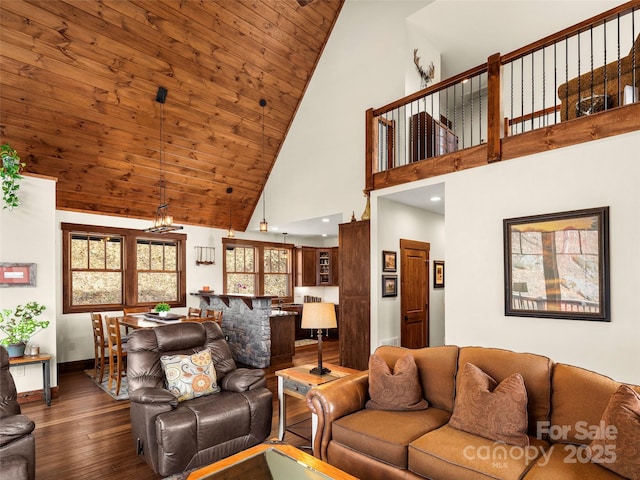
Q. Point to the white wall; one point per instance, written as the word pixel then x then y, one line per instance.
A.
pixel 28 235
pixel 594 174
pixel 394 221
pixel 320 168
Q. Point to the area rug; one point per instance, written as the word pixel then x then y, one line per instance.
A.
pixel 181 475
pixel 305 342
pixel 124 391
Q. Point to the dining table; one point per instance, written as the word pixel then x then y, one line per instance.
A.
pixel 139 321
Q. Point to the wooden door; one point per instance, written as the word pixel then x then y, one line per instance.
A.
pixel 414 294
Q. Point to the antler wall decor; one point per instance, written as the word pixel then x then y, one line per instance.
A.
pixel 426 76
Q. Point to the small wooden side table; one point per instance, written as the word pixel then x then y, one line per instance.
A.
pixel 296 382
pixel 45 360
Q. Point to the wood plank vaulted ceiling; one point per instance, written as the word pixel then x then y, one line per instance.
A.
pixel 78 98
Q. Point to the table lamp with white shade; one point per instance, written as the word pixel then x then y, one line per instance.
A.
pixel 320 316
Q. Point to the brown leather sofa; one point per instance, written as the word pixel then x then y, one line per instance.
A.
pixel 17 443
pixel 175 436
pixel 381 444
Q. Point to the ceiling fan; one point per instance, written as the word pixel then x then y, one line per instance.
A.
pixel 302 3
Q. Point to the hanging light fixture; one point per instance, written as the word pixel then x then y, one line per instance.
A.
pixel 264 226
pixel 284 240
pixel 230 232
pixel 163 222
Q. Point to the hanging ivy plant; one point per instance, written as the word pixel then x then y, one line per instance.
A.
pixel 10 173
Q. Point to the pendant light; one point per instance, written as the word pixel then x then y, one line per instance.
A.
pixel 163 222
pixel 230 232
pixel 264 226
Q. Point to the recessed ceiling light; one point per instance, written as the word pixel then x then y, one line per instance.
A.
pixel 326 220
pixel 324 234
pixel 435 199
pixel 274 229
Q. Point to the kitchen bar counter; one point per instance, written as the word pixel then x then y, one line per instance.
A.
pixel 256 337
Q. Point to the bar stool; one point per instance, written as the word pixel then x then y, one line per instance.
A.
pixel 100 344
pixel 117 350
pixel 216 314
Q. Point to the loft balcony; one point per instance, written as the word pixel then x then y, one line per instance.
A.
pixel 577 85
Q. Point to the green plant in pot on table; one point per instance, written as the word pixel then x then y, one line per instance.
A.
pixel 162 308
pixel 20 325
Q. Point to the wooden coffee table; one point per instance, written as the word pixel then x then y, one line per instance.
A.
pixel 270 460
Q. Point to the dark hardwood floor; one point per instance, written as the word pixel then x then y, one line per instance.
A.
pixel 86 434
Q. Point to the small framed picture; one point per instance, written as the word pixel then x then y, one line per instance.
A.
pixel 389 285
pixel 388 261
pixel 438 274
pixel 17 274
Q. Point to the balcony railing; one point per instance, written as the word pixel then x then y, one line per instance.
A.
pixel 463 121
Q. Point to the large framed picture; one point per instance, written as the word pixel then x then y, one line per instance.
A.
pixel 557 265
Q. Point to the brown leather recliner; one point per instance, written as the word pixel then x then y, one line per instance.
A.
pixel 17 443
pixel 175 436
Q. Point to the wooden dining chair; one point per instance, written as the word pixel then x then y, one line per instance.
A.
pixel 100 345
pixel 199 319
pixel 134 310
pixel 216 314
pixel 117 352
pixel 194 312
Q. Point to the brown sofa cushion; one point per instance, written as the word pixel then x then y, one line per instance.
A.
pixel 437 368
pixel 395 390
pixel 580 397
pixel 535 370
pixel 384 434
pixel 617 446
pixel 491 410
pixel 451 454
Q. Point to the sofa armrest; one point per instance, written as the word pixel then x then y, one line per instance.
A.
pixel 150 395
pixel 14 427
pixel 243 379
pixel 333 400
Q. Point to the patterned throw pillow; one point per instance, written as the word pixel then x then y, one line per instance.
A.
pixel 497 412
pixel 618 445
pixel 395 390
pixel 190 376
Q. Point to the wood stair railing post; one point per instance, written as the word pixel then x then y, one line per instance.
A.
pixel 494 110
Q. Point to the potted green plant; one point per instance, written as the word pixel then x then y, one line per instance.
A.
pixel 162 308
pixel 20 325
pixel 10 168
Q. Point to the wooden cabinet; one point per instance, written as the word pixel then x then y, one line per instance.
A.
pixel 305 267
pixel 324 266
pixel 335 266
pixel 429 137
pixel 282 338
pixel 316 267
pixel 354 326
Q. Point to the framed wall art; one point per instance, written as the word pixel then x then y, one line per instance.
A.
pixel 389 261
pixel 438 274
pixel 557 265
pixel 17 274
pixel 389 285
